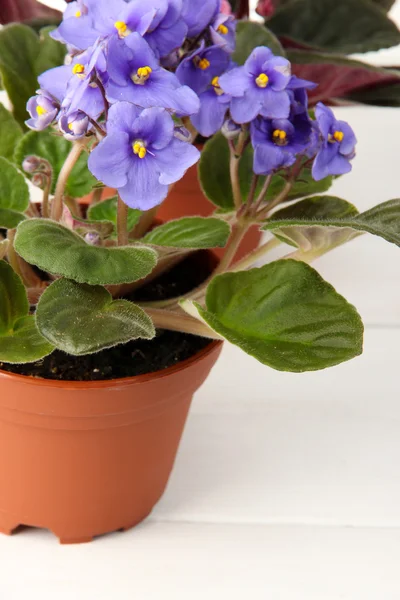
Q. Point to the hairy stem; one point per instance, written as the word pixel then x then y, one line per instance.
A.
pixel 264 213
pixel 145 222
pixel 22 268
pixel 164 319
pixel 46 196
pixel 262 195
pixel 96 195
pixel 57 204
pixel 234 173
pixel 252 192
pixel 238 232
pixel 254 256
pixel 122 223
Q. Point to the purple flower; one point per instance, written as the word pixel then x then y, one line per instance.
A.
pixel 43 109
pixel 198 14
pixel 135 76
pixel 223 32
pixel 199 69
pixel 214 104
pixel 75 85
pixel 159 20
pixel 74 125
pixel 337 147
pixel 168 29
pixel 259 87
pixel 278 142
pixel 140 156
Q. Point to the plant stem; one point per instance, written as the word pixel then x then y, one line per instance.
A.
pixel 96 195
pixel 57 204
pixel 122 223
pixel 254 256
pixel 252 191
pixel 238 232
pixel 263 214
pixel 234 172
pixel 45 201
pixel 164 319
pixel 22 268
pixel 262 194
pixel 145 222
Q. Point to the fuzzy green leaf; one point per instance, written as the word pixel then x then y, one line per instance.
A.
pixel 14 195
pixel 81 319
pixel 10 132
pixel 20 341
pixel 190 232
pixel 60 251
pixel 55 149
pixel 345 26
pixel 285 315
pixel 382 220
pixel 107 211
pixel 250 35
pixel 23 56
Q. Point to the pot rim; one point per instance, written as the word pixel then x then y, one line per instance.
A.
pixel 111 383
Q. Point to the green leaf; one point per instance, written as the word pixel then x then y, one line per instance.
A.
pixel 346 26
pixel 51 53
pixel 214 172
pixel 250 35
pixel 385 4
pixel 60 251
pixel 10 133
pixel 14 195
pixel 285 315
pixel 216 183
pixel 107 211
pixel 382 220
pixel 23 56
pixel 190 232
pixel 55 149
pixel 20 341
pixel 82 319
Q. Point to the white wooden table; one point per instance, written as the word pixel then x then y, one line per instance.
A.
pixel 286 487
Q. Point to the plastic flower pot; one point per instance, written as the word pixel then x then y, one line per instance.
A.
pixel 87 458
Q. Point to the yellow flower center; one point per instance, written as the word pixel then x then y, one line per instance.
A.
pixel 122 29
pixel 223 29
pixel 203 64
pixel 216 86
pixel 262 80
pixel 280 137
pixel 139 148
pixel 141 75
pixel 78 14
pixel 40 111
pixel 338 136
pixel 78 69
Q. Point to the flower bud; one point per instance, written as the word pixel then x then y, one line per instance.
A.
pixel 182 134
pixel 92 238
pixel 39 180
pixel 230 129
pixel 31 164
pixel 74 125
pixel 265 8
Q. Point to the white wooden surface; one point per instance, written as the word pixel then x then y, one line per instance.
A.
pixel 286 487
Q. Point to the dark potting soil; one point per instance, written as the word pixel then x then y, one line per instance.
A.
pixel 139 356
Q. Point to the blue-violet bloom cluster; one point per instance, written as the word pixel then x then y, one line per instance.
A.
pixel 138 71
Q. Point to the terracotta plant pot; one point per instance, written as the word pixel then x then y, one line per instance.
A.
pixel 187 199
pixel 86 458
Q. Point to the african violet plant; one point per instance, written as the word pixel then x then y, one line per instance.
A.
pixel 140 80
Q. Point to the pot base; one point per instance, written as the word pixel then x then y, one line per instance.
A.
pixel 9 526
